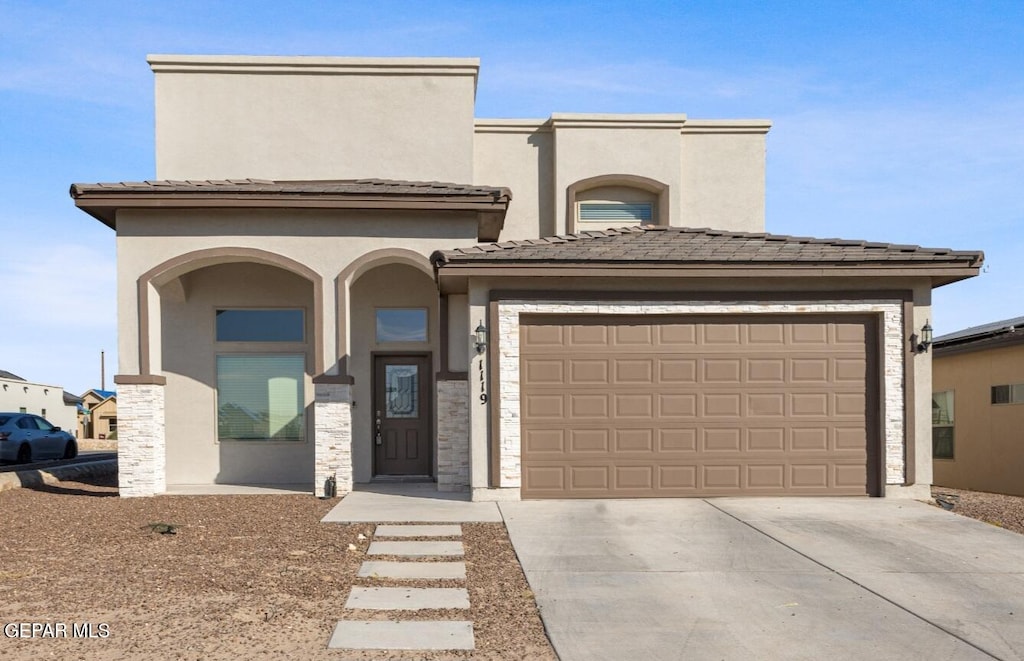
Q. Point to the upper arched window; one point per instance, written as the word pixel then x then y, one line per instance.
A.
pixel 616 201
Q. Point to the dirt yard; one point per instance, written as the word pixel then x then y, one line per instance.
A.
pixel 243 577
pixel 996 509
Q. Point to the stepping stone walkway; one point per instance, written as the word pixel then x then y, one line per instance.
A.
pixel 395 633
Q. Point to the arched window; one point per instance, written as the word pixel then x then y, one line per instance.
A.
pixel 616 201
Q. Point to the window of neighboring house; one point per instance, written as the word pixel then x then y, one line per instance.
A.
pixel 260 397
pixel 617 212
pixel 401 324
pixel 22 409
pixel 43 412
pixel 284 325
pixel 1008 394
pixel 942 425
pixel 113 425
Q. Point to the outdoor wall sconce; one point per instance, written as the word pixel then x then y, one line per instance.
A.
pixel 922 344
pixel 480 338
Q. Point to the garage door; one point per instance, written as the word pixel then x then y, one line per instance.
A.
pixel 634 407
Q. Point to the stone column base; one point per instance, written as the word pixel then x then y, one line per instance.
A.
pixel 452 435
pixel 332 419
pixel 141 442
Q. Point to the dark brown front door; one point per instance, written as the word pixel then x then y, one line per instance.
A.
pixel 401 415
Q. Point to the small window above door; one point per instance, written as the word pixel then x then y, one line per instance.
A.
pixel 401 325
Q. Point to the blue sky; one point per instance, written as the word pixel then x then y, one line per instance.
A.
pixel 893 121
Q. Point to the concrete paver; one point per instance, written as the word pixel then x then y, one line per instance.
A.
pixel 416 549
pixel 407 503
pixel 769 578
pixel 412 570
pixel 416 635
pixel 418 530
pixel 407 599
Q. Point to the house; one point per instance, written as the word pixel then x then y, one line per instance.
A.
pixel 51 402
pixel 978 408
pixel 97 416
pixel 590 309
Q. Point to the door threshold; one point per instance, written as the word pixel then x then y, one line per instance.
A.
pixel 402 478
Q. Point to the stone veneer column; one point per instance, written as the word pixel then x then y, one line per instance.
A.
pixel 332 419
pixel 452 435
pixel 141 442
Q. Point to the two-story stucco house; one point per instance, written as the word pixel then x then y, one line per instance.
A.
pixel 590 308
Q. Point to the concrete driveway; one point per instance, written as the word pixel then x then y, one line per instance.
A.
pixel 770 578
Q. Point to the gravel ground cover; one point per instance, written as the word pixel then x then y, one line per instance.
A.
pixel 996 509
pixel 250 577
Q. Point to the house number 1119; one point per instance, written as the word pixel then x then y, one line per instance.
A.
pixel 483 389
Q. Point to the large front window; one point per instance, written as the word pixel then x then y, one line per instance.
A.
pixel 260 397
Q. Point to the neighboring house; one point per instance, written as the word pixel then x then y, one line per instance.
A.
pixel 978 408
pixel 50 402
pixel 98 414
pixel 284 319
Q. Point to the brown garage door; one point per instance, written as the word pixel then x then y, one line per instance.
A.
pixel 633 407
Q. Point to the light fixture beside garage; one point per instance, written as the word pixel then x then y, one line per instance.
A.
pixel 922 344
pixel 480 338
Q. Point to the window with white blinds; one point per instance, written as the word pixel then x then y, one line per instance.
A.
pixel 260 397
pixel 626 213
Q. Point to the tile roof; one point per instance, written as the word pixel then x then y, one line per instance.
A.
pixel 980 332
pixel 382 187
pixel 681 245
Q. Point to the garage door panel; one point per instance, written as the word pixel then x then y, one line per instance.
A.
pixel 677 335
pixel 588 372
pixel 677 406
pixel 674 440
pixel 725 477
pixel 721 405
pixel 721 334
pixel 544 406
pixel 634 440
pixel 594 441
pixel 766 476
pixel 588 406
pixel 771 439
pixel 765 404
pixel 677 371
pixel 722 441
pixel 585 478
pixel 544 371
pixel 766 371
pixel 634 371
pixel 630 407
pixel 629 478
pixel 540 441
pixel 639 405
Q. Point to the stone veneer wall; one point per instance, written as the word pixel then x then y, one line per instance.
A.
pixel 452 435
pixel 141 447
pixel 332 415
pixel 508 332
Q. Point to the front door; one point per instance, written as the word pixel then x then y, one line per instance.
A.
pixel 401 415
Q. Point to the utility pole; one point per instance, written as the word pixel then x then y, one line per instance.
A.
pixel 103 372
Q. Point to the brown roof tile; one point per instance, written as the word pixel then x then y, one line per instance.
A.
pixel 382 187
pixel 680 245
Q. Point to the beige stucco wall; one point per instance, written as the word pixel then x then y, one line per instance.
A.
pixel 722 178
pixel 194 455
pixel 519 154
pixel 988 439
pixel 103 414
pixel 390 286
pixel 714 170
pixel 38 398
pixel 221 117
